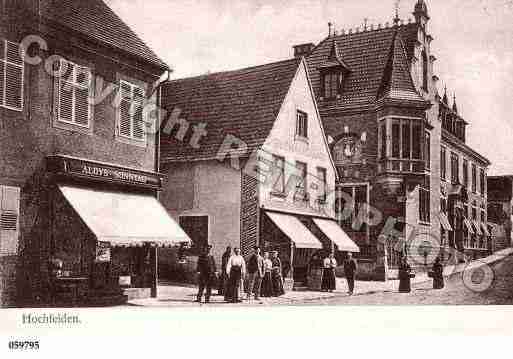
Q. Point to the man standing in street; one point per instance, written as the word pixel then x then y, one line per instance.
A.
pixel 350 272
pixel 236 270
pixel 255 273
pixel 206 274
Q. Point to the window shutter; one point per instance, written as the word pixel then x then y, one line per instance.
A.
pixel 2 81
pixel 66 93
pixel 9 220
pixel 82 107
pixel 11 75
pixel 125 128
pixel 138 123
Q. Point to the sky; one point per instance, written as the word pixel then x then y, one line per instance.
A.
pixel 473 44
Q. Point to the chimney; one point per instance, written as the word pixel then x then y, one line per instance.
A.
pixel 303 50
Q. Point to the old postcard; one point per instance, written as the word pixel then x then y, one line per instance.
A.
pixel 257 156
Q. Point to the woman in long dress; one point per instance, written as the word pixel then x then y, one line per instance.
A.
pixel 328 273
pixel 438 274
pixel 405 276
pixel 276 275
pixel 267 283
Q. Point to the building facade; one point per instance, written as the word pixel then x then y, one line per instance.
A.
pixel 500 211
pixel 388 127
pixel 261 173
pixel 76 157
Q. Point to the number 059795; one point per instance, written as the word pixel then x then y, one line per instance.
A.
pixel 23 345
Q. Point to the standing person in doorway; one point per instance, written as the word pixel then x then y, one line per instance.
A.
pixel 236 270
pixel 206 274
pixel 255 273
pixel 350 267
pixel 276 275
pixel 223 280
pixel 328 273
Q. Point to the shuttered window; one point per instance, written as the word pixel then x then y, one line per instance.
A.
pixel 74 94
pixel 11 75
pixel 130 121
pixel 9 220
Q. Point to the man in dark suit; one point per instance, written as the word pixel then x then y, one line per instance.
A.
pixel 206 274
pixel 255 270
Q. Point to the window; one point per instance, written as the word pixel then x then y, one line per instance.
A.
pixel 383 139
pixel 360 199
pixel 279 174
pixel 196 228
pixel 443 163
pixel 131 122
pixel 74 105
pixel 322 176
pixel 465 173
pixel 9 218
pixel 301 189
pixel 474 178
pixel 424 71
pixel 482 181
pixel 427 150
pixel 455 166
pixel 406 139
pixel 11 75
pixel 332 84
pixel 302 124
pixel 424 201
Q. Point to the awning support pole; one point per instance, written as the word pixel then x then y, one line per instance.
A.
pixel 154 270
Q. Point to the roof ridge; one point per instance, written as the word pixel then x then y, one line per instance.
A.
pixel 350 32
pixel 248 69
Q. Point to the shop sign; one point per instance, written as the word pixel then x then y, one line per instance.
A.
pixel 102 252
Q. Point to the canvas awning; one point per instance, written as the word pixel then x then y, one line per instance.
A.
pixel 295 230
pixel 467 223
pixel 124 219
pixel 337 235
pixel 444 222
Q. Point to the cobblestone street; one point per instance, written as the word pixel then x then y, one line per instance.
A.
pixel 456 292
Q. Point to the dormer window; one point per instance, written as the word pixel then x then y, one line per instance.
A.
pixel 332 84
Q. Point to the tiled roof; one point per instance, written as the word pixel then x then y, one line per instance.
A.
pixel 95 19
pixel 397 82
pixel 242 103
pixel 366 54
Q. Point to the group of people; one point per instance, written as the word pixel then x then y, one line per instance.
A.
pixel 261 276
pixel 406 273
pixel 329 283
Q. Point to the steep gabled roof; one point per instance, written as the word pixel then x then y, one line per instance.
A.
pixel 397 82
pixel 94 19
pixel 367 54
pixel 242 103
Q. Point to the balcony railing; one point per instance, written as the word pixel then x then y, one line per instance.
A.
pixel 401 166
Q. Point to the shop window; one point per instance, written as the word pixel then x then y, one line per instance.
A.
pixel 74 93
pixel 11 75
pixel 465 173
pixel 474 178
pixel 197 229
pixel 9 220
pixel 130 118
pixel 455 166
pixel 332 83
pixel 443 163
pixel 279 174
pixel 301 124
pixel 424 201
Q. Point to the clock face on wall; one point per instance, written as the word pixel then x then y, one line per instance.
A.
pixel 348 150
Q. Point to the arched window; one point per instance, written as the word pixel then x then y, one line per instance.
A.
pixel 424 71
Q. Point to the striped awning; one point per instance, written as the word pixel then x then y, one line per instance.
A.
pixel 296 231
pixel 444 222
pixel 469 226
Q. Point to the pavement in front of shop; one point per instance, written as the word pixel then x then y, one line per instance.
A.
pixel 172 295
